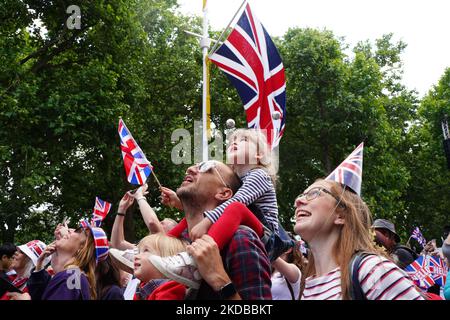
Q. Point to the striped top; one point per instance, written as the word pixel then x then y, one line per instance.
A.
pixel 257 188
pixel 380 279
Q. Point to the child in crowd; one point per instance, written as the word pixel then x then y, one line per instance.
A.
pixel 154 287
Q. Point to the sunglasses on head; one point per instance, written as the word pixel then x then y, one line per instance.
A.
pixel 206 166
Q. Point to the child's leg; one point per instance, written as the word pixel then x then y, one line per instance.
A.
pixel 234 215
pixel 178 229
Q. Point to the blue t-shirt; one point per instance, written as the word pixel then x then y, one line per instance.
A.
pixel 69 284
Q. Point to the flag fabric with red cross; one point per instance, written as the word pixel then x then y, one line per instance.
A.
pixel 252 63
pixel 101 209
pixel 349 172
pixel 419 272
pixel 137 167
pixel 438 269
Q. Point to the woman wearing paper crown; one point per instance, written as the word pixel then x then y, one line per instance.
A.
pixel 75 254
pixel 24 260
pixel 344 262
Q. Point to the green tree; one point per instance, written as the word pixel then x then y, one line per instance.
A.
pixel 428 194
pixel 62 92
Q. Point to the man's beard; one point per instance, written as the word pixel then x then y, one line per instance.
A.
pixel 189 197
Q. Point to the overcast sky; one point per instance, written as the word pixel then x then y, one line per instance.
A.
pixel 423 25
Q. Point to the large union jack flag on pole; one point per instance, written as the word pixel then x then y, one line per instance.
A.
pixel 137 167
pixel 349 172
pixel 419 272
pixel 252 63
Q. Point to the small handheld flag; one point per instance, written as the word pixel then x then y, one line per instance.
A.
pixel 137 167
pixel 416 234
pixel 101 209
pixel 419 272
pixel 438 269
pixel 349 172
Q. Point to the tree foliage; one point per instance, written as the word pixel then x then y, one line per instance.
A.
pixel 62 92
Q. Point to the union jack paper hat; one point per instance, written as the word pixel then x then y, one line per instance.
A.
pixel 33 250
pixel 349 172
pixel 101 209
pixel 100 239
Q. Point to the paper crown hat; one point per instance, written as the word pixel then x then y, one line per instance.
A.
pixel 101 209
pixel 349 172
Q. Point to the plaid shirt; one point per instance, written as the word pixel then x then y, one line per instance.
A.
pixel 145 290
pixel 246 262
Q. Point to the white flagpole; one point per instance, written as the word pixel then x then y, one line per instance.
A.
pixel 219 41
pixel 204 44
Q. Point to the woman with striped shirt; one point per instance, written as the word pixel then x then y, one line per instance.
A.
pixel 335 223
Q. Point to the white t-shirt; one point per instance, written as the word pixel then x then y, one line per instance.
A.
pixel 380 279
pixel 280 290
pixel 130 290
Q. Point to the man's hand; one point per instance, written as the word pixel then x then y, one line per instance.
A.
pixel 200 229
pixel 209 262
pixel 169 198
pixel 18 296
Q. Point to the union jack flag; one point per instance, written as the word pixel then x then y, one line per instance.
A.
pixel 101 209
pixel 100 239
pixel 137 167
pixel 101 244
pixel 252 63
pixel 416 234
pixel 349 172
pixel 438 269
pixel 420 273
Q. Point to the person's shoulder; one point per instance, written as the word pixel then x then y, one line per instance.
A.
pixel 258 172
pixel 400 249
pixel 245 233
pixel 245 240
pixel 114 293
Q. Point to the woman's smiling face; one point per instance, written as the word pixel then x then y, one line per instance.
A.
pixel 314 210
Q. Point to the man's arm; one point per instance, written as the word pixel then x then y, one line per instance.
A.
pixel 248 266
pixel 117 235
pixel 210 265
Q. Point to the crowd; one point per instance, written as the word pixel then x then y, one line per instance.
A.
pixel 229 245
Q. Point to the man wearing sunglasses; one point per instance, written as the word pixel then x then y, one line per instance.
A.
pixel 205 186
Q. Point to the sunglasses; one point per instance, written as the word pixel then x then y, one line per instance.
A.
pixel 206 166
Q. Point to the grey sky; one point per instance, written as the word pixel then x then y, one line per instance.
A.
pixel 423 25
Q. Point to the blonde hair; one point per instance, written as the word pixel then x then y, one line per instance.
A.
pixel 163 244
pixel 85 260
pixel 355 235
pixel 267 161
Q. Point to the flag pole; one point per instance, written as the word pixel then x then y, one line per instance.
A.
pixel 407 242
pixel 204 44
pixel 219 41
pixel 156 178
